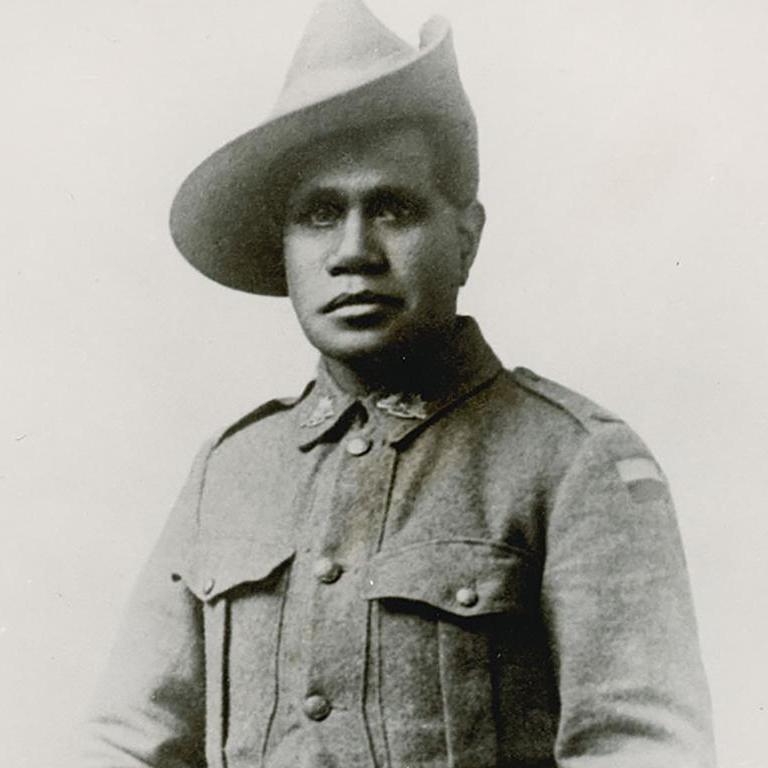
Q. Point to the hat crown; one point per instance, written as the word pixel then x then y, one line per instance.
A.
pixel 343 45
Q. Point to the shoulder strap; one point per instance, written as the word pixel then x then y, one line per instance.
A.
pixel 265 410
pixel 581 408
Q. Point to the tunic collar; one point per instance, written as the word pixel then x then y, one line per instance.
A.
pixel 325 414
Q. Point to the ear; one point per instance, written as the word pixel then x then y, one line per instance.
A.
pixel 471 221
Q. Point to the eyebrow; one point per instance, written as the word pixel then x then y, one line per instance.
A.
pixel 408 194
pixel 316 193
pixel 333 194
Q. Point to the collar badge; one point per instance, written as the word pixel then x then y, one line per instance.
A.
pixel 409 406
pixel 322 412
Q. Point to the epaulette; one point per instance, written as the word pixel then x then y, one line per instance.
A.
pixel 269 408
pixel 581 408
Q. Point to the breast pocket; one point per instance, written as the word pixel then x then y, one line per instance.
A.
pixel 443 608
pixel 241 583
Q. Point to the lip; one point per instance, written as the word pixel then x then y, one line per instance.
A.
pixel 361 302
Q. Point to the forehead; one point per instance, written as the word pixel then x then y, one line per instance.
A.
pixel 401 157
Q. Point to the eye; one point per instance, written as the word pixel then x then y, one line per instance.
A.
pixel 395 209
pixel 323 214
pixel 319 214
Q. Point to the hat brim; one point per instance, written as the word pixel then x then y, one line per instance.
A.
pixel 224 219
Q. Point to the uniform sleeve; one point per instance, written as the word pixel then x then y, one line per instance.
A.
pixel 618 603
pixel 150 707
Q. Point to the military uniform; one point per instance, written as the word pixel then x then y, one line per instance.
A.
pixel 485 573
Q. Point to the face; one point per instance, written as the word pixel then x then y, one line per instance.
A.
pixel 374 253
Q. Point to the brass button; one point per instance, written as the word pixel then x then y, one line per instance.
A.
pixel 467 597
pixel 209 585
pixel 358 446
pixel 316 707
pixel 326 570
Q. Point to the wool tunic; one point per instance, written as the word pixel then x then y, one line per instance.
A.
pixel 484 573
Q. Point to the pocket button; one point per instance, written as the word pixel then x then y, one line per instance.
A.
pixel 467 597
pixel 326 571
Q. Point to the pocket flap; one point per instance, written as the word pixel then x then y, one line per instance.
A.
pixel 465 577
pixel 223 563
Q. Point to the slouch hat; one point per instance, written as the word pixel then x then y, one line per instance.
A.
pixel 349 72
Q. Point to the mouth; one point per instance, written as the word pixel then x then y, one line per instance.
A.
pixel 360 303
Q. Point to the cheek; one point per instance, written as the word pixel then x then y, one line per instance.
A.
pixel 429 264
pixel 300 257
pixel 299 292
pixel 292 272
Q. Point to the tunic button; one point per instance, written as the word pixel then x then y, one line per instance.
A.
pixel 467 597
pixel 358 446
pixel 209 585
pixel 317 707
pixel 326 570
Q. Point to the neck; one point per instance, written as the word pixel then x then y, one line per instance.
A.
pixel 417 369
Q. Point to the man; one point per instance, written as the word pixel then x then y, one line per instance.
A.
pixel 424 560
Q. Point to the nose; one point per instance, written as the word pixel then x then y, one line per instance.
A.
pixel 357 250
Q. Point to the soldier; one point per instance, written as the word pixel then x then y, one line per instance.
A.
pixel 425 559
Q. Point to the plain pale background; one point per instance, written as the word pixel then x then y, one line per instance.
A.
pixel 624 152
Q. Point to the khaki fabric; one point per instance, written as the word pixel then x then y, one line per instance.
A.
pixel 485 574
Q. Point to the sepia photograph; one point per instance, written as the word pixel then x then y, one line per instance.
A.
pixel 384 384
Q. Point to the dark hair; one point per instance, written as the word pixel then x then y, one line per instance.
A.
pixel 454 158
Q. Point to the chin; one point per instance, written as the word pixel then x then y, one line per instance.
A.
pixel 357 345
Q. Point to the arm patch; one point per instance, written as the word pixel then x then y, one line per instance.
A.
pixel 643 478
